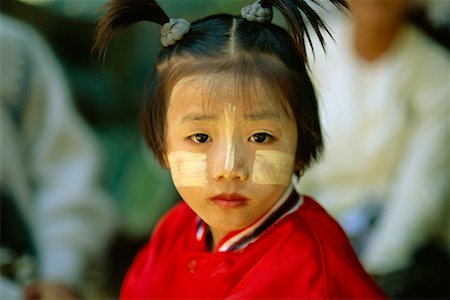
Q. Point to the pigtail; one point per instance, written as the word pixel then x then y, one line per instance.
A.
pixel 293 11
pixel 123 13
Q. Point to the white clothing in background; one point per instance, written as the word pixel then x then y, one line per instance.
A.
pixel 50 160
pixel 386 129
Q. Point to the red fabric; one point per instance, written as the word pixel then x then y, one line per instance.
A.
pixel 303 255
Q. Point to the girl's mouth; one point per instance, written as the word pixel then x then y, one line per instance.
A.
pixel 233 200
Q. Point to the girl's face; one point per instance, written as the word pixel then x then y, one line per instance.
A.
pixel 230 159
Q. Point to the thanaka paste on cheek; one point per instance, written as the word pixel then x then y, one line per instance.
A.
pixel 272 167
pixel 188 169
pixel 230 117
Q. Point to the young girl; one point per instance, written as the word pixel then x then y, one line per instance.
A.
pixel 231 112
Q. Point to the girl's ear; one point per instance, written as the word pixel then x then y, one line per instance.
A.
pixel 299 169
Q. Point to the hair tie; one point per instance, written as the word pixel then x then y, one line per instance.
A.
pixel 174 31
pixel 255 12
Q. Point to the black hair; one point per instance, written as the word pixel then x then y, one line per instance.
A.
pixel 225 42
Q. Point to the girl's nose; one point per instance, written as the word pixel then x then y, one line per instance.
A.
pixel 230 163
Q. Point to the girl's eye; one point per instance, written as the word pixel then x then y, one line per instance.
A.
pixel 260 137
pixel 200 138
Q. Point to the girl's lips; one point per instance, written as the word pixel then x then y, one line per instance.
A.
pixel 230 200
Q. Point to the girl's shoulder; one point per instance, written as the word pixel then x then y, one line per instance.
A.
pixel 314 223
pixel 311 214
pixel 179 215
pixel 334 258
pixel 309 255
pixel 310 232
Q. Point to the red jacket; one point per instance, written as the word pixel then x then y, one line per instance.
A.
pixel 302 254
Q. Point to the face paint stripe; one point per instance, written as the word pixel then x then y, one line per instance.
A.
pixel 188 168
pixel 272 167
pixel 230 117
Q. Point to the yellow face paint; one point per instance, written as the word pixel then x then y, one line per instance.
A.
pixel 272 167
pixel 188 168
pixel 230 117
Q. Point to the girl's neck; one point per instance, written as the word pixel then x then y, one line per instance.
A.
pixel 371 42
pixel 217 236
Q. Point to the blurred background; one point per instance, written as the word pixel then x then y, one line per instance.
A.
pixel 107 96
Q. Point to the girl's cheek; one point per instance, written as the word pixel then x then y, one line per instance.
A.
pixel 273 167
pixel 188 169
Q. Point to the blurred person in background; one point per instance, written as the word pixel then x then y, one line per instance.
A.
pixel 56 219
pixel 384 89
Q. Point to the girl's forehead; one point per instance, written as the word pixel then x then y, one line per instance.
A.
pixel 215 91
